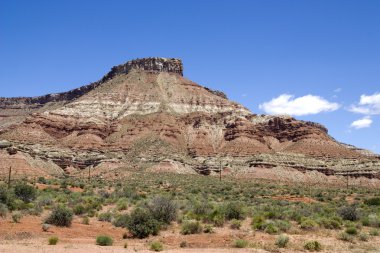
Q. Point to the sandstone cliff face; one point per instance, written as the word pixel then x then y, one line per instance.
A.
pixel 145 110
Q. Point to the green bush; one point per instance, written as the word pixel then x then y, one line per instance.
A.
pixel 85 220
pixel 3 210
pixel 345 237
pixel 282 241
pixel 217 217
pixel 349 213
pixel 61 216
pixel 122 204
pixel 234 210
pixel 25 192
pixel 308 224
pixel 258 222
pixel 373 220
pixel 79 209
pixel 121 220
pixel 235 224
pixel 163 209
pixel 105 217
pixel 364 237
pixel 4 194
pixel 374 232
pixel 191 227
pixel 331 223
pixel 313 246
pixel 16 216
pixel 271 228
pixel 240 243
pixel 375 201
pixel 142 224
pixel 53 240
pixel 104 240
pixel 208 229
pixel 156 246
pixel 351 231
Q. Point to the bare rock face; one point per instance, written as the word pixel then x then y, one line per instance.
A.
pixel 146 112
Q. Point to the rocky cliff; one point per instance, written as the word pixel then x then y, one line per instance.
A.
pixel 144 112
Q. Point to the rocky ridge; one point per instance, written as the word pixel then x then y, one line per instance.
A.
pixel 144 112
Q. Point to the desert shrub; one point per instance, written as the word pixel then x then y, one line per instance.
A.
pixel 16 216
pixel 183 244
pixel 202 208
pixel 217 217
pixel 374 232
pixel 105 217
pixel 375 201
pixel 191 227
pixel 349 213
pixel 208 229
pixel 156 246
pixel 79 209
pixel 258 222
pixel 313 246
pixel 373 220
pixel 36 209
pixel 235 224
pixel 271 228
pixel 240 243
pixel 364 237
pixel 104 240
pixel 345 237
pixel 3 210
pixel 331 223
pixel 122 204
pixel 234 210
pixel 126 245
pixel 60 216
pixel 351 231
pixel 41 180
pixel 163 209
pixel 4 194
pixel 282 241
pixel 45 200
pixel 85 220
pixel 53 240
pixel 142 224
pixel 25 192
pixel 307 223
pixel 121 220
pixel 283 225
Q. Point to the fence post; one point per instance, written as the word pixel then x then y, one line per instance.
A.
pixel 9 176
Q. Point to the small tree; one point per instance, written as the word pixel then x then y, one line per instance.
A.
pixel 349 213
pixel 163 209
pixel 61 216
pixel 142 224
pixel 25 192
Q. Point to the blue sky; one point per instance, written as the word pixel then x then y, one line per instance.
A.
pixel 311 59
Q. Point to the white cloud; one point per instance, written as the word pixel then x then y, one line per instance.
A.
pixel 362 123
pixel 338 90
pixel 368 105
pixel 306 105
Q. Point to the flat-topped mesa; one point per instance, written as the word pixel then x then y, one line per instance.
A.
pixel 155 64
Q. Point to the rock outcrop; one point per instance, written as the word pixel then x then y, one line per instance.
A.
pixel 144 112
